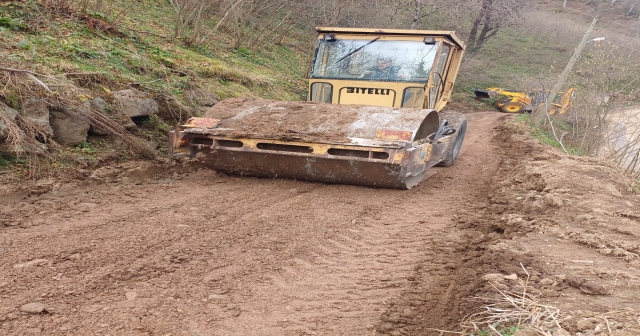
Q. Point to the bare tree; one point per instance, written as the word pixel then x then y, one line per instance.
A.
pixel 189 18
pixel 490 17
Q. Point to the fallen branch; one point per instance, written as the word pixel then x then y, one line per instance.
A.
pixel 26 72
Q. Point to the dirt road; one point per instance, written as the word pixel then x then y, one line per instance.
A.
pixel 150 248
pixel 162 248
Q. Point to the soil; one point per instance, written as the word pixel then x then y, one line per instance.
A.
pixel 170 248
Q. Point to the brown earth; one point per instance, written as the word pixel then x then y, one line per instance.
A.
pixel 167 248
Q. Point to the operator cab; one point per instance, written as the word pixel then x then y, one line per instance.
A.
pixel 394 68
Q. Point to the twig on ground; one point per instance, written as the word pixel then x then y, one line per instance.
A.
pixel 26 72
pixel 524 293
pixel 30 75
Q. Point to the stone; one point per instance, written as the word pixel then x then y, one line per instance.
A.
pixel 588 286
pixel 201 97
pixel 34 262
pixel 561 332
pixel 605 251
pixel 136 103
pixel 68 129
pixel 98 104
pixel 9 114
pixel 33 308
pixel 172 109
pixel 36 111
pixel 120 117
pixel 497 277
pixel 130 295
pixel 511 277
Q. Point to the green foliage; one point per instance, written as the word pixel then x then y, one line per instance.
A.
pixel 87 147
pixel 546 136
pixel 13 24
pixel 244 51
pixel 5 160
pixel 77 51
pixel 25 45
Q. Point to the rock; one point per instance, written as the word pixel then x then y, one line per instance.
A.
pixel 136 103
pixel 68 129
pixel 34 262
pixel 33 308
pixel 588 286
pixel 605 251
pixel 170 108
pixel 100 105
pixel 36 111
pixel 497 277
pixel 201 97
pixel 9 114
pixel 130 295
pixel 511 277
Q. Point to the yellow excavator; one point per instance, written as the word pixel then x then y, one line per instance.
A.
pixel 513 101
pixel 373 116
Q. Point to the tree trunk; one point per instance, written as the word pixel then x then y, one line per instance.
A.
pixel 482 19
pixel 416 14
pixel 541 112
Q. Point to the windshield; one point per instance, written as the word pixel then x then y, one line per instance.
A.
pixel 377 60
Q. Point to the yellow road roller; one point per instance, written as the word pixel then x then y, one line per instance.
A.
pixel 372 117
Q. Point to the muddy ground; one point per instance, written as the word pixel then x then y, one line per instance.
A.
pixel 167 248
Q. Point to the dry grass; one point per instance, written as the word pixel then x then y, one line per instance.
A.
pixel 27 140
pixel 222 72
pixel 514 310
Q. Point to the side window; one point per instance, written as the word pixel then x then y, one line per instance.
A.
pixel 438 75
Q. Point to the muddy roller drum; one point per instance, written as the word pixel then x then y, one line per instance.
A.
pixel 350 144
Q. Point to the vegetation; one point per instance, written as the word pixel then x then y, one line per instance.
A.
pixel 88 48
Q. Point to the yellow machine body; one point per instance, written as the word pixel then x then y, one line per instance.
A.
pixel 366 122
pixel 513 101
